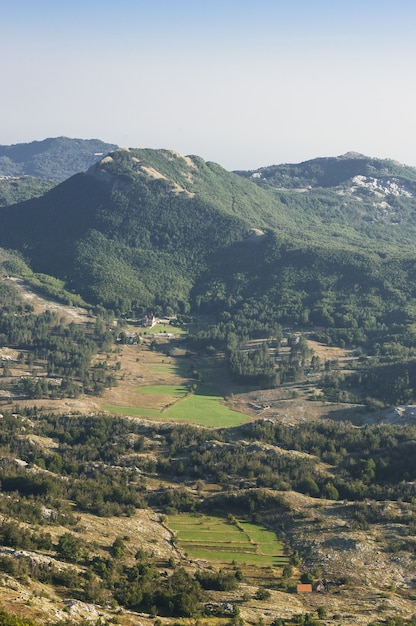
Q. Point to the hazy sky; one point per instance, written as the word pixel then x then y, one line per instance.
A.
pixel 241 83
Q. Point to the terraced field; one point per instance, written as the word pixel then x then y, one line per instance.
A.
pixel 222 541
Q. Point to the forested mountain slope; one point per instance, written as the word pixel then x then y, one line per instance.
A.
pixel 145 228
pixel 89 501
pixel 331 172
pixel 128 233
pixel 15 189
pixel 53 158
pixel 374 198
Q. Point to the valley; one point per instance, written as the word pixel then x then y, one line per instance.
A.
pixel 152 378
pixel 207 392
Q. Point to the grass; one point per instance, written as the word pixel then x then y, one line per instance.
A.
pixel 201 407
pixel 164 328
pixel 209 537
pixel 219 540
pixel 167 369
pixel 132 411
pixel 205 410
pixel 262 536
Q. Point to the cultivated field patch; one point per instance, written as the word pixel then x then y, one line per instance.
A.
pixel 195 408
pixel 164 369
pixel 165 329
pixel 223 541
pixel 167 401
pixel 206 410
pixel 133 411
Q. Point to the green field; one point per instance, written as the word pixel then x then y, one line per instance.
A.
pixel 133 411
pixel 202 407
pixel 205 408
pixel 167 369
pixel 219 540
pixel 165 328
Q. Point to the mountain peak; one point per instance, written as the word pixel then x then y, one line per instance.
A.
pixel 352 155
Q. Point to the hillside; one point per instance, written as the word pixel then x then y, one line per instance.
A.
pixel 119 519
pixel 136 229
pixel 331 172
pixel 151 230
pixel 14 189
pixel 90 505
pixel 199 468
pixel 373 197
pixel 51 159
pixel 118 233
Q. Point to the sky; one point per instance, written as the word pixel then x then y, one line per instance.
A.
pixel 244 84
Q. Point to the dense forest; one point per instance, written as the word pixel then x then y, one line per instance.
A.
pixel 152 228
pixel 17 189
pixel 65 350
pixel 52 159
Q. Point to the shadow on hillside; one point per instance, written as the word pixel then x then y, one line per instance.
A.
pixel 356 414
pixel 206 389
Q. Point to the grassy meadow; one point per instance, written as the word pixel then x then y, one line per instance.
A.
pixel 167 401
pixel 206 408
pixel 170 403
pixel 160 329
pixel 175 391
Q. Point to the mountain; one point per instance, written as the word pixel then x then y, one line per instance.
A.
pixel 332 172
pixel 137 227
pixel 15 189
pixel 350 192
pixel 280 274
pixel 151 228
pixel 53 158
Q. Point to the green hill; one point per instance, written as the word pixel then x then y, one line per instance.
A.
pixel 270 260
pixel 151 228
pixel 53 158
pixel 369 202
pixel 125 234
pixel 330 172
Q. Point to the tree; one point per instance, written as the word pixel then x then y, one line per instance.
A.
pixel 262 594
pixel 70 548
pixel 309 487
pixel 118 549
pixel 306 579
pixel 287 571
pixel 295 560
pixel 330 492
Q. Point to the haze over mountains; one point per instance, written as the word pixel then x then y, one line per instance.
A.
pixel 29 170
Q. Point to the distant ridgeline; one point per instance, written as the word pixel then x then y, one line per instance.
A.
pixel 52 159
pixel 28 170
pixel 327 245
